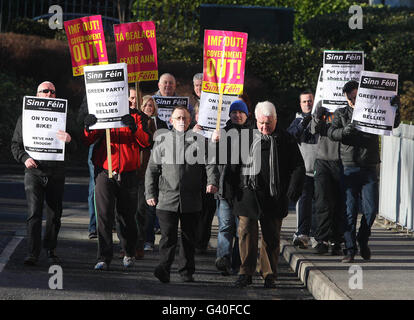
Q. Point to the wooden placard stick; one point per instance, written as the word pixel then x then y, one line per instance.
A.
pixel 108 150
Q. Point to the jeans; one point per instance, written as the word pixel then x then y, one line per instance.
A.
pixel 360 183
pixel 91 200
pixel 228 224
pixel 304 208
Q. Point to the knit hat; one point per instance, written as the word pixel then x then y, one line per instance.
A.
pixel 240 106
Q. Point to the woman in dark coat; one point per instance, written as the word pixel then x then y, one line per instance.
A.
pixel 263 187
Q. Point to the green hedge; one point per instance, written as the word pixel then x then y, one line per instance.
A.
pixel 331 31
pixel 12 89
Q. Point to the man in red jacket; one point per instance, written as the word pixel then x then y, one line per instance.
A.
pixel 120 190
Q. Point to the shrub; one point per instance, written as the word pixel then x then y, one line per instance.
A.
pixel 331 31
pixel 30 27
pixel 12 90
pixel 407 102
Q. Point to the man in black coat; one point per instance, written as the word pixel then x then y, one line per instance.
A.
pixel 273 176
pixel 360 158
pixel 44 185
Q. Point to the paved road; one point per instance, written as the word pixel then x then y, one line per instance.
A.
pixel 80 281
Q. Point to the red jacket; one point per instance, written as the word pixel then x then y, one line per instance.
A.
pixel 125 146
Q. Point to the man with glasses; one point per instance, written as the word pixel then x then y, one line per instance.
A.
pixel 43 182
pixel 172 183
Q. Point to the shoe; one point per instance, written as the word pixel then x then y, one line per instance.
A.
pixel 52 257
pixel 101 265
pixel 364 251
pixel 128 262
pixel 322 248
pixel 349 258
pixel 336 249
pixel 243 281
pixel 139 254
pixel 93 235
pixel 187 277
pixel 157 230
pixel 161 274
pixel 30 260
pixel 270 282
pixel 223 264
pixel 148 246
pixel 301 241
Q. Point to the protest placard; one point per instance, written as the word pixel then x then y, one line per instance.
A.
pixel 167 104
pixel 42 118
pixel 224 61
pixel 207 116
pixel 373 112
pixel 223 75
pixel 107 94
pixel 339 67
pixel 86 43
pixel 318 91
pixel 136 45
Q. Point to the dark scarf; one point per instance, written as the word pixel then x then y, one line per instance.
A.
pixel 255 157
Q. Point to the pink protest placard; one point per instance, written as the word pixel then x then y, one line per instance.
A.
pixel 224 61
pixel 86 43
pixel 136 45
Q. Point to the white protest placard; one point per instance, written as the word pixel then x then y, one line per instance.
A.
pixel 207 115
pixel 373 112
pixel 319 91
pixel 42 118
pixel 339 67
pixel 167 104
pixel 107 94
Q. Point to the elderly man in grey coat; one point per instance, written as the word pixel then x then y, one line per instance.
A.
pixel 172 183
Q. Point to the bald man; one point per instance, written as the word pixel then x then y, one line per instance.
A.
pixel 166 85
pixel 43 182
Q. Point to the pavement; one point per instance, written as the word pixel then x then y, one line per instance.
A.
pixel 389 275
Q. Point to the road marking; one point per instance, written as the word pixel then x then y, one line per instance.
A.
pixel 8 251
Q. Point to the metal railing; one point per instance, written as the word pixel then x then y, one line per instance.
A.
pixel 397 177
pixel 176 19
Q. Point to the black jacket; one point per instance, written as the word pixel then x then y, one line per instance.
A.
pixel 226 187
pixel 255 202
pixel 357 150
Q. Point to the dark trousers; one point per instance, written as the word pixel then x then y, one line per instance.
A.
pixel 360 183
pixel 150 223
pixel 169 239
pixel 304 207
pixel 141 214
pixel 205 221
pixel 329 201
pixel 42 190
pixel 111 193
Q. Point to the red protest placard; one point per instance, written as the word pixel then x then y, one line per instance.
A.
pixel 136 45
pixel 86 43
pixel 224 61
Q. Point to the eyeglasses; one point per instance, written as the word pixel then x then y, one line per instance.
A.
pixel 179 118
pixel 47 91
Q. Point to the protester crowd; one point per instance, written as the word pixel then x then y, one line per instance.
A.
pixel 321 162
